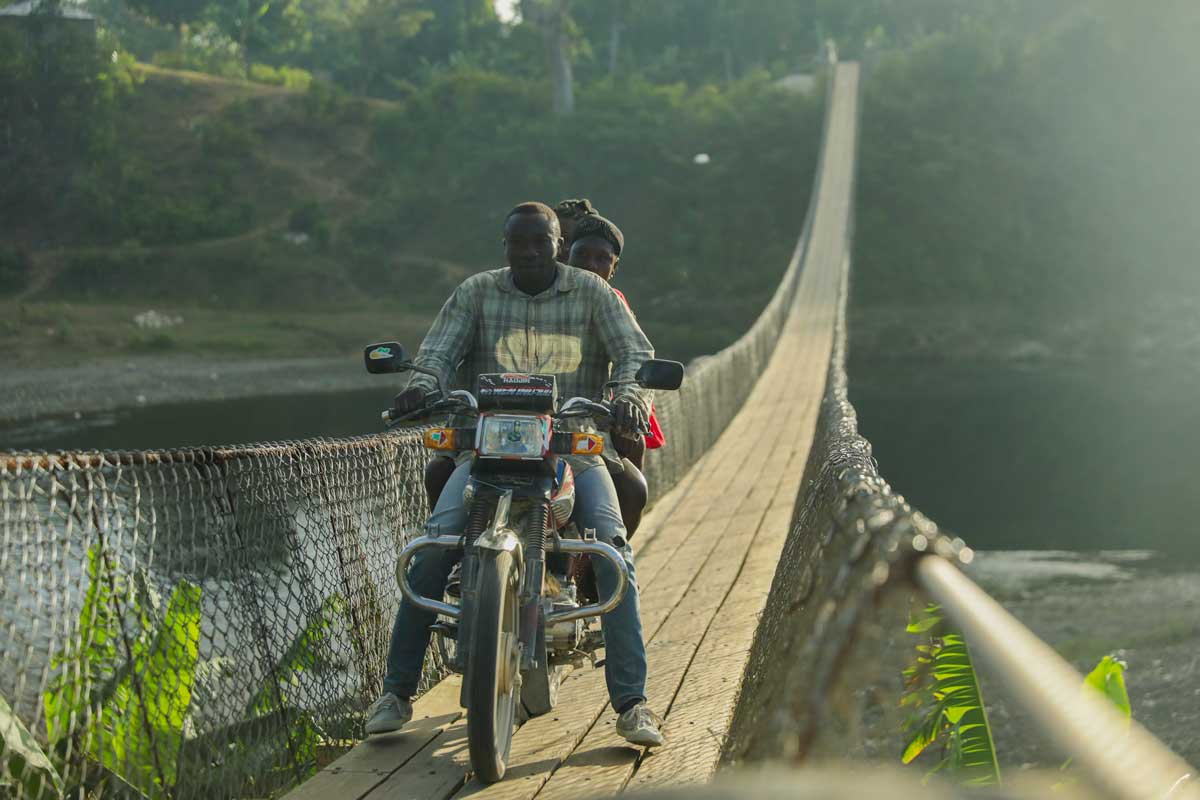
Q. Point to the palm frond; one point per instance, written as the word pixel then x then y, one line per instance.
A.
pixel 943 691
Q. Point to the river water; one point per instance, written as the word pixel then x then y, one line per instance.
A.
pixel 1074 457
pixel 1071 457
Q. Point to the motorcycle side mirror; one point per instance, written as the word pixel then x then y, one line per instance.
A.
pixel 385 358
pixel 658 373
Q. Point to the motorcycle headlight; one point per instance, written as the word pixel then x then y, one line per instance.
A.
pixel 513 436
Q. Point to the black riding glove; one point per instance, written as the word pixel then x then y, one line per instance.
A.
pixel 628 418
pixel 410 400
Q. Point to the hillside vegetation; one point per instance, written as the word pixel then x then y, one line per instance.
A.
pixel 228 195
pixel 1027 183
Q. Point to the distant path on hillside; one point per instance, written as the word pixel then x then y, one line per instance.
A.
pixel 251 87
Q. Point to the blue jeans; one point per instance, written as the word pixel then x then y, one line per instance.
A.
pixel 595 507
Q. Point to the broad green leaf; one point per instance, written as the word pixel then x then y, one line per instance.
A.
pixel 155 697
pixel 88 670
pixel 24 759
pixel 168 668
pixel 1108 678
pixel 124 689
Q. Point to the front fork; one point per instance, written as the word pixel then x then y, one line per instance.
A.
pixel 500 536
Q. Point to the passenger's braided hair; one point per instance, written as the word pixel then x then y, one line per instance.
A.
pixel 575 208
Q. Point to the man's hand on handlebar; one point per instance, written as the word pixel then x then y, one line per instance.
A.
pixel 409 401
pixel 628 418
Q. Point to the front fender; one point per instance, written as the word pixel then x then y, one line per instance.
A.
pixel 500 539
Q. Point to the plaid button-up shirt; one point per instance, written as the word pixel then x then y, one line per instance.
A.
pixel 574 331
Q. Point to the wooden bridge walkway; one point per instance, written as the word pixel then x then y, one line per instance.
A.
pixel 706 555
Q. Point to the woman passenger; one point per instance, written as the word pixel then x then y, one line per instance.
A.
pixel 596 247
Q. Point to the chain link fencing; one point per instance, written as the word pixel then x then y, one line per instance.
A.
pixel 195 623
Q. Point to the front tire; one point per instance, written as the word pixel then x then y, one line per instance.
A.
pixel 495 666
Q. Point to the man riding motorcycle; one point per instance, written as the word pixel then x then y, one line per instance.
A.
pixel 440 468
pixel 535 316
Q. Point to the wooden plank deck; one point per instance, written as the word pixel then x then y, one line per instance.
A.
pixel 705 554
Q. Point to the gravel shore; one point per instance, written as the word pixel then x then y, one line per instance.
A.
pixel 32 392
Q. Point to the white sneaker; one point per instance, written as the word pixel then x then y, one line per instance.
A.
pixel 388 713
pixel 641 726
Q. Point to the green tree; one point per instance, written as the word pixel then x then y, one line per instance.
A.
pixel 366 46
pixel 552 18
pixel 256 26
pixel 178 14
pixel 59 92
pixel 380 31
pixel 457 27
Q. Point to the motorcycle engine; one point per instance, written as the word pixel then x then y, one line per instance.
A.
pixel 564 637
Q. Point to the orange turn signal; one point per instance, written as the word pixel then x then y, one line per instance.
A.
pixel 439 439
pixel 587 444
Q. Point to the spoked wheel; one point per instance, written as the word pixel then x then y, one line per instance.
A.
pixel 495 666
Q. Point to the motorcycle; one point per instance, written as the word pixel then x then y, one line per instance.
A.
pixel 515 627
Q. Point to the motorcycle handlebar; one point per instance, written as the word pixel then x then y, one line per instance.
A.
pixel 463 402
pixel 393 416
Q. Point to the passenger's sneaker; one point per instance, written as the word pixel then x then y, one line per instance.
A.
pixel 641 726
pixel 388 713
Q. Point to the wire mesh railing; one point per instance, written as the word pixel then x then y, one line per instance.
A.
pixel 194 623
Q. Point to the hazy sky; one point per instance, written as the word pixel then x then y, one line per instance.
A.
pixel 506 9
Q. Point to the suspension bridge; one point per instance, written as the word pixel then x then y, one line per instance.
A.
pixel 220 616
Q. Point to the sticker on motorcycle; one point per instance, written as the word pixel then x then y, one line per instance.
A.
pixel 439 439
pixel 587 444
pixel 380 353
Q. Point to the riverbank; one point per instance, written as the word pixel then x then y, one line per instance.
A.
pixel 64 359
pixel 109 384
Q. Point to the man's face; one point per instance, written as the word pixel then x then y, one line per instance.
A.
pixel 530 244
pixel 595 254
